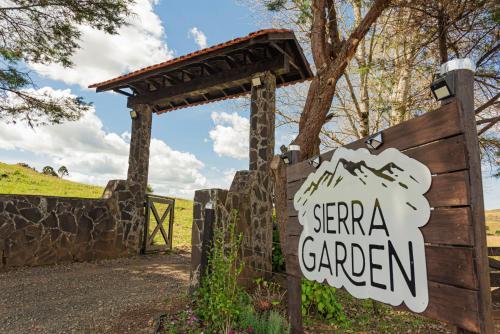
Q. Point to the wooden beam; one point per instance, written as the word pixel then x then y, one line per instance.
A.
pixel 153 83
pixel 231 61
pixel 172 79
pixel 136 86
pixel 288 57
pixel 495 278
pixel 494 251
pixel 209 68
pixel 188 74
pixel 464 92
pixel 120 91
pixel 494 263
pixel 240 76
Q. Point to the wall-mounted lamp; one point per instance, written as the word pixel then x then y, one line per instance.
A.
pixel 315 161
pixel 286 158
pixel 133 114
pixel 287 155
pixel 443 87
pixel 374 141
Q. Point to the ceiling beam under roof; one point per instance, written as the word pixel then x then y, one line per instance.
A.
pixel 240 76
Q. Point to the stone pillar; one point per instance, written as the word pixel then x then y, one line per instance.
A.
pixel 132 201
pixel 262 122
pixel 138 161
pixel 255 187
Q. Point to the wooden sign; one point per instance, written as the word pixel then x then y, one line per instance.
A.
pixel 361 215
pixel 449 278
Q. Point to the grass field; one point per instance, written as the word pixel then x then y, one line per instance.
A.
pixel 493 227
pixel 15 179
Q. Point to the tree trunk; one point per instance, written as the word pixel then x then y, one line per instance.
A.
pixel 442 30
pixel 322 88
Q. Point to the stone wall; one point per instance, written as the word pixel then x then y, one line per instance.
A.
pixel 38 230
pixel 201 197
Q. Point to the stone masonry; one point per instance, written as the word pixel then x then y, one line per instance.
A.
pixel 262 123
pixel 201 197
pixel 255 186
pixel 251 191
pixel 36 230
pixel 137 176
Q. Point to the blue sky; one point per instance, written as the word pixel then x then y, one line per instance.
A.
pixel 194 148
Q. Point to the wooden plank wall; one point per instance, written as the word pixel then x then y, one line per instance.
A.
pixel 437 140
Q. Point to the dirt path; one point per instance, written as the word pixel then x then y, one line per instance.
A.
pixel 115 296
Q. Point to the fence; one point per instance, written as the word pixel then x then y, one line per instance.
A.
pixel 150 242
pixel 446 142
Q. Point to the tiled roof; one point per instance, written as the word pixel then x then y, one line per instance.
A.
pixel 190 55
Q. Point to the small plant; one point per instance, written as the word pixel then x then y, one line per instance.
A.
pixel 267 296
pixel 220 301
pixel 278 258
pixel 184 322
pixel 321 299
pixel 267 323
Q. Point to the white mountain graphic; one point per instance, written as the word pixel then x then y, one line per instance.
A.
pixel 388 176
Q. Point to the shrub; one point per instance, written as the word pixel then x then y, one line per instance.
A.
pixel 267 323
pixel 267 296
pixel 220 301
pixel 321 299
pixel 278 258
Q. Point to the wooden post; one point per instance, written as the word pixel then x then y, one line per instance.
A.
pixel 208 235
pixel 464 93
pixel 294 287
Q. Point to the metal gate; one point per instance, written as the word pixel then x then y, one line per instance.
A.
pixel 154 206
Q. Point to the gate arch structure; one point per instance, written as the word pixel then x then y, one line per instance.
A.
pixel 255 64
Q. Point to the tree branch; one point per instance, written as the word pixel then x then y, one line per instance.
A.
pixel 489 103
pixel 489 126
pixel 333 29
pixel 318 35
pixel 488 120
pixel 349 47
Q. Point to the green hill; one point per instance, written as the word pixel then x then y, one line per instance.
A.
pixel 16 179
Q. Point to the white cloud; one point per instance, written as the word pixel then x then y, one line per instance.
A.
pixel 102 56
pixel 230 135
pixel 199 37
pixel 95 156
pixel 228 177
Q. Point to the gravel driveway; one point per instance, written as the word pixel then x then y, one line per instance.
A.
pixel 114 296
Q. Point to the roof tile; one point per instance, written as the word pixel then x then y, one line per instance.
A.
pixel 189 55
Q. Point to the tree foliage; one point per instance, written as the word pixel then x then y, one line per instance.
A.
pixel 49 170
pixel 44 32
pixel 63 171
pixel 387 80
